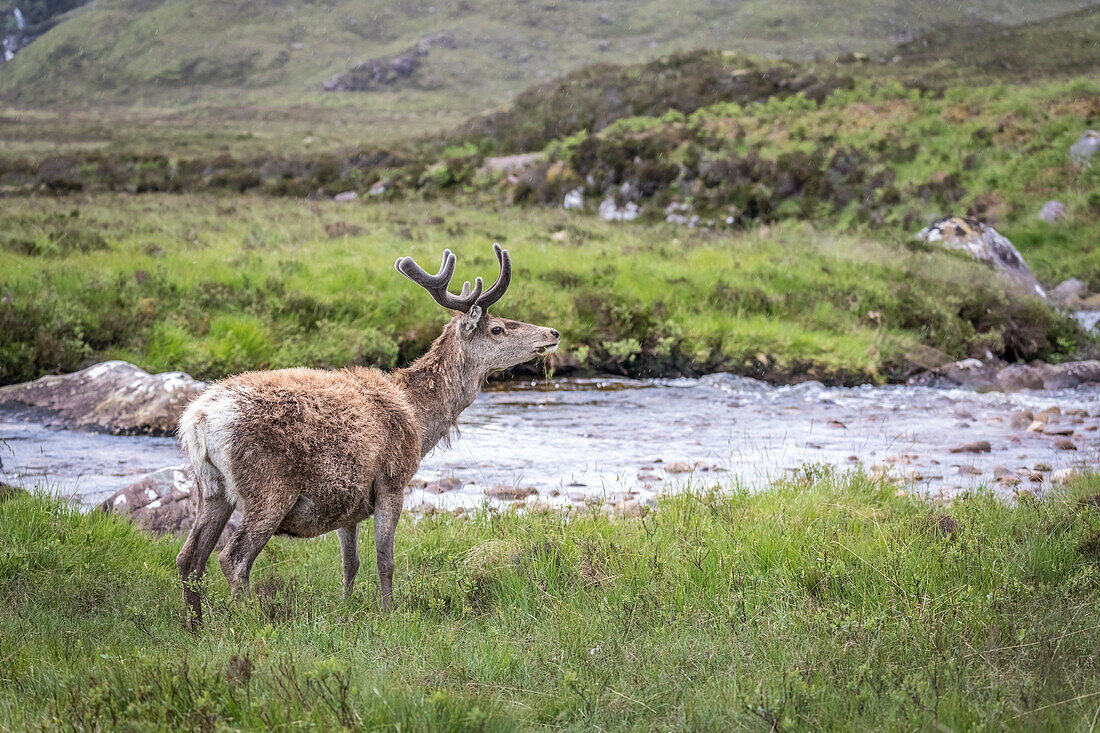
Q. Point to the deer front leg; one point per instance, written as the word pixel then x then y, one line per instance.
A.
pixel 386 514
pixel 349 549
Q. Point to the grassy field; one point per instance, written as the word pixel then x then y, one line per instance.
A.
pixel 216 285
pixel 825 602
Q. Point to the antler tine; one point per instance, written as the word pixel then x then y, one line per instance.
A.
pixel 495 293
pixel 437 284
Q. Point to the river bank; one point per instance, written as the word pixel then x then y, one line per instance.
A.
pixel 216 285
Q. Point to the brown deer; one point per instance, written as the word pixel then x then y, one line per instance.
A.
pixel 305 451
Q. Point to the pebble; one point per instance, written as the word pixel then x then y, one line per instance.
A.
pixel 1045 415
pixel 980 446
pixel 1041 466
pixel 630 509
pixel 1063 476
pixel 1022 418
pixel 678 467
pixel 969 471
pixel 1036 427
pixel 510 493
pixel 1065 444
pixel 1058 431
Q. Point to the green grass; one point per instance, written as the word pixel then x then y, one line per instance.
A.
pixel 214 286
pixel 181 50
pixel 825 602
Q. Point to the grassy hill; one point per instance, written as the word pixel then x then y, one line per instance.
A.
pixel 183 50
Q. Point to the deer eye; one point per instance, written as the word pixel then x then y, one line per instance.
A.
pixel 496 330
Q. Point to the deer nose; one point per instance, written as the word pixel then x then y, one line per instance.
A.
pixel 555 334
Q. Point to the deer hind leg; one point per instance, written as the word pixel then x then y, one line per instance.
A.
pixel 349 549
pixel 213 513
pixel 258 524
pixel 386 514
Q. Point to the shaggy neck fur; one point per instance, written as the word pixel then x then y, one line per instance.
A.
pixel 439 385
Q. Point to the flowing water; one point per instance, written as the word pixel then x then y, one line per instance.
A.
pixel 577 439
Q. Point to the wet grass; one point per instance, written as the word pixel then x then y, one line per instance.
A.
pixel 826 601
pixel 217 285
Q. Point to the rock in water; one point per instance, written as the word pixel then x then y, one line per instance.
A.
pixel 114 397
pixel 1063 476
pixel 981 446
pixel 999 377
pixel 1052 212
pixel 161 503
pixel 510 493
pixel 985 244
pixel 1022 418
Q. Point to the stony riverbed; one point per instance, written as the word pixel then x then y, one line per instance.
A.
pixel 564 442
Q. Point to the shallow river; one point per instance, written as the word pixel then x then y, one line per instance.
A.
pixel 585 438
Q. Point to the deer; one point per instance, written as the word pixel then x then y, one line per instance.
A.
pixel 302 451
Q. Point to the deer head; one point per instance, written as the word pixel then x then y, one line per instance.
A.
pixel 488 342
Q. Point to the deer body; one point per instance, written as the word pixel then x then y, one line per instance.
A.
pixel 303 452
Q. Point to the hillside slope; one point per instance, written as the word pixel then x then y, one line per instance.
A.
pixel 179 50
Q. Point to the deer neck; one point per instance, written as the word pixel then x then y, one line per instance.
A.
pixel 439 386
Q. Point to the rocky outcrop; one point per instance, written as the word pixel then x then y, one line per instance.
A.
pixel 388 70
pixel 985 244
pixel 995 376
pixel 162 503
pixel 375 73
pixel 114 397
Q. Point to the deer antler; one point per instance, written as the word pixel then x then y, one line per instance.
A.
pixel 437 284
pixel 496 292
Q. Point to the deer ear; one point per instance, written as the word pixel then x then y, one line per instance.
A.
pixel 471 319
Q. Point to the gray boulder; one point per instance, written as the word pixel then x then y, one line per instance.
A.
pixel 1068 291
pixel 610 211
pixel 113 396
pixel 985 244
pixel 163 502
pixel 995 376
pixel 1052 212
pixel 1081 152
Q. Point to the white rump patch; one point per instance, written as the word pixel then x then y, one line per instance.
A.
pixel 207 429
